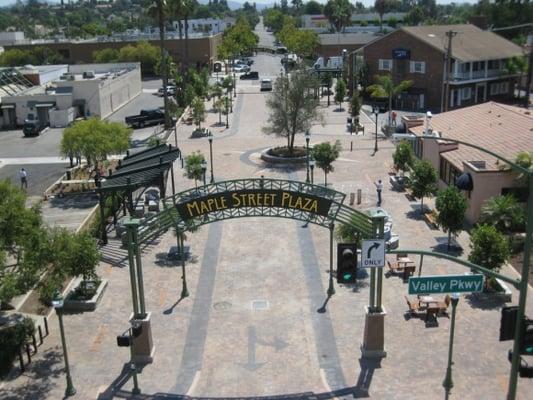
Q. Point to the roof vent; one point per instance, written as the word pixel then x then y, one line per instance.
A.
pixel 478 164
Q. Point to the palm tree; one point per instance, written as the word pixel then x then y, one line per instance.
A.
pixel 384 87
pixel 525 160
pixel 503 212
pixel 339 13
pixel 381 6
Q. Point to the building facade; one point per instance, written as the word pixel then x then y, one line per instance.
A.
pixel 477 65
pixel 210 26
pixel 502 129
pixel 81 91
pixel 367 22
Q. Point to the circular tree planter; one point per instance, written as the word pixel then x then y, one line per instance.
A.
pixel 280 155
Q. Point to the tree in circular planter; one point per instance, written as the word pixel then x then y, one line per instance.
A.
pixel 325 154
pixel 451 205
pixel 355 107
pixel 489 248
pixel 198 112
pixel 293 108
pixel 193 167
pixel 423 181
pixel 340 92
pixel 403 157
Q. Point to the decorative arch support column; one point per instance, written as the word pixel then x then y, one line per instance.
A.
pixel 143 348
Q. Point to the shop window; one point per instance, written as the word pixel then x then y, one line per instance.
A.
pixel 417 67
pixel 385 65
pixel 466 93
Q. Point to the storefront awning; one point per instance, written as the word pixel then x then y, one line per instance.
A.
pixel 7 106
pixel 465 182
pixel 44 105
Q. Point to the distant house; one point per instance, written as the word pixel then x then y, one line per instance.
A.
pixel 210 26
pixel 365 22
pixel 418 53
pixel 502 129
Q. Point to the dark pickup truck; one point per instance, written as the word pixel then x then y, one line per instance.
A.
pixel 146 117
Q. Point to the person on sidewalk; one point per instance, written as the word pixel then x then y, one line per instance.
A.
pixel 394 115
pixel 379 188
pixel 23 178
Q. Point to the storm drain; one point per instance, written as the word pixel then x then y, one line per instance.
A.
pixel 222 306
pixel 258 305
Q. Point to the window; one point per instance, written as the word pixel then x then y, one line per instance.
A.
pixel 447 172
pixel 504 88
pixel 385 65
pixel 494 88
pixel 418 67
pixel 479 66
pixel 494 64
pixel 466 93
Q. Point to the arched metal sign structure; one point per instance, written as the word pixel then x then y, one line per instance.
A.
pixel 256 197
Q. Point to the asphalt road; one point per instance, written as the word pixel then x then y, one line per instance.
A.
pixel 40 176
pixel 265 38
pixel 13 143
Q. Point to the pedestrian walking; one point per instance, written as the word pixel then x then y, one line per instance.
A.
pixel 23 178
pixel 394 115
pixel 379 188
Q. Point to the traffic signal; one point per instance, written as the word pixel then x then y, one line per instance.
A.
pixel 508 323
pixel 524 369
pixel 346 262
pixel 123 340
pixel 526 345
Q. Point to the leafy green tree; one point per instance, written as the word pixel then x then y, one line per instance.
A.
pixel 451 205
pixel 107 55
pixel 355 105
pixel 339 13
pixel 292 109
pixel 423 181
pixel 198 111
pixel 381 6
pixel 143 52
pixel 415 16
pixel 488 247
pixel 193 167
pixel 403 156
pixel 313 7
pixel 95 140
pixel 273 19
pixel 16 57
pixel 517 65
pixel 219 106
pixel 216 92
pixel 325 154
pixel 348 233
pixel 340 92
pixel 385 87
pixel 504 213
pixel 525 160
pixel 239 39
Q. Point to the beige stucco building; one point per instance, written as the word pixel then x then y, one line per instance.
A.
pixel 79 91
pixel 503 129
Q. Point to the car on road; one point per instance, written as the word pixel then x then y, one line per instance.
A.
pixel 245 61
pixel 32 126
pixel 241 68
pixel 171 90
pixel 252 75
pixel 146 117
pixel 266 84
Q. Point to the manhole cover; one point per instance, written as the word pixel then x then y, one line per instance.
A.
pixel 259 304
pixel 222 306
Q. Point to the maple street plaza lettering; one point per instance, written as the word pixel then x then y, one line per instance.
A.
pixel 253 198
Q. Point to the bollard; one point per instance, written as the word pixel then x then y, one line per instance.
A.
pixel 358 196
pixel 46 326
pixel 28 352
pixel 34 341
pixel 40 334
pixel 352 198
pixel 351 146
pixel 21 361
pixel 69 175
pixel 182 162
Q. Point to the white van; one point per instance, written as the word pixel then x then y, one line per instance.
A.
pixel 266 84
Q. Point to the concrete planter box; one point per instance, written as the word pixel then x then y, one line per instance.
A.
pixel 84 305
pixel 503 291
pixel 269 158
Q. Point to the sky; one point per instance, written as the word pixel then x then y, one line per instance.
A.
pixel 365 2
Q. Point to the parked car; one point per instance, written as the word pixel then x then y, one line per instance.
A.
pixel 32 127
pixel 171 90
pixel 245 61
pixel 266 84
pixel 241 68
pixel 252 75
pixel 146 117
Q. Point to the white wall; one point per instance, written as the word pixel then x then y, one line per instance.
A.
pixel 61 118
pixel 116 92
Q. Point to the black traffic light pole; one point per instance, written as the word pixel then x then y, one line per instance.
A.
pixel 331 288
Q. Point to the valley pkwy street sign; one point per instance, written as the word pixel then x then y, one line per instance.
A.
pixel 446 284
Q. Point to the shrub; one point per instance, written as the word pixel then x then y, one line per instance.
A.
pixel 12 337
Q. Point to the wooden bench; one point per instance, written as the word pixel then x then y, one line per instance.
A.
pixel 431 220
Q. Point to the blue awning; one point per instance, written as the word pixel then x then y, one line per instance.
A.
pixel 465 182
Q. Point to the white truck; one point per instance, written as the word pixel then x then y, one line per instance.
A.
pixel 328 63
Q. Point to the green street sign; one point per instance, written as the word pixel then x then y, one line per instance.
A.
pixel 446 284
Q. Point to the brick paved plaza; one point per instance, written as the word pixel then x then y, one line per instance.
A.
pixel 255 324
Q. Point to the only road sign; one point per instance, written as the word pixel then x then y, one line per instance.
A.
pixel 446 284
pixel 373 253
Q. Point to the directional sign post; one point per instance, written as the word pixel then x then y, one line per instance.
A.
pixel 373 253
pixel 446 284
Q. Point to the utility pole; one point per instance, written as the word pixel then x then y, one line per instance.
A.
pixel 164 64
pixel 449 35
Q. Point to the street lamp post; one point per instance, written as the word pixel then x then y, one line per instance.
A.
pixel 312 165
pixel 376 113
pixel 234 85
pixel 210 138
pixel 448 382
pixel 57 302
pixel 227 112
pixel 307 138
pixel 134 331
pixel 204 168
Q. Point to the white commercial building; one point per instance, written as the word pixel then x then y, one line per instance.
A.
pixel 206 26
pixel 8 38
pixel 79 91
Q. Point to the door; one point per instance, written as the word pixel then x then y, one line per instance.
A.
pixel 481 95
